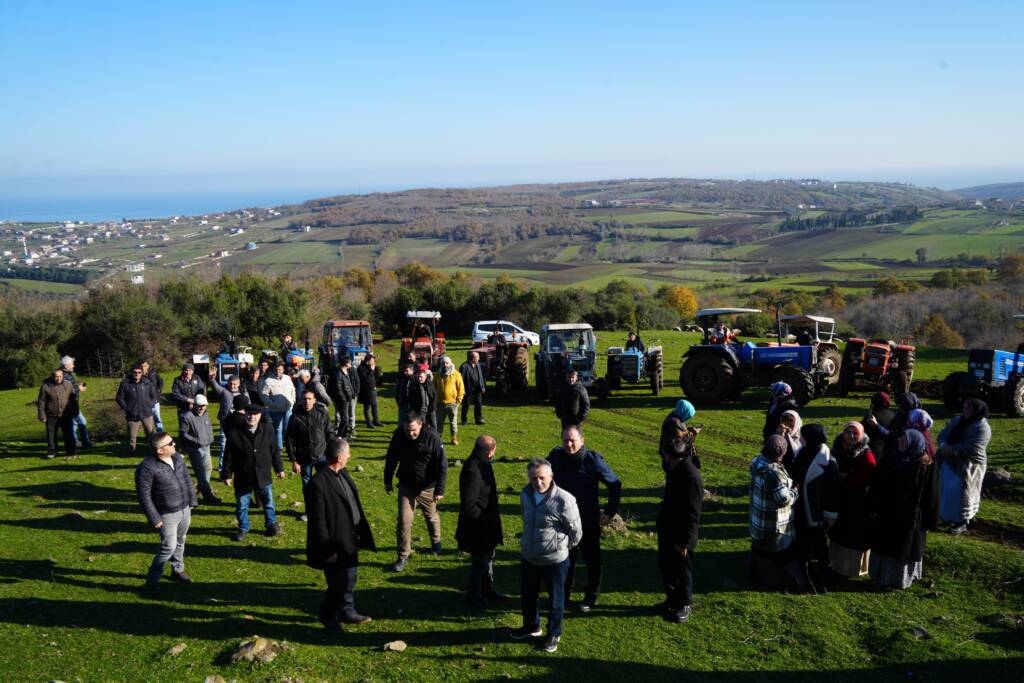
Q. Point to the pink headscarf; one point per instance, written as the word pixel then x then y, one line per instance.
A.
pixel 858 429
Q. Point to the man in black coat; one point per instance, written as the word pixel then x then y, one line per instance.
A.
pixel 579 471
pixel 337 530
pixel 251 457
pixel 678 523
pixel 416 451
pixel 344 393
pixel 184 390
pixel 479 530
pixel 473 379
pixel 135 397
pixel 370 376
pixel 573 404
pixel 309 430
pixel 150 373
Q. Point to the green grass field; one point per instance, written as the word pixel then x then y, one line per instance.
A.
pixel 41 286
pixel 76 547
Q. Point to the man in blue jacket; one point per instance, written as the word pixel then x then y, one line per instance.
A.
pixel 579 470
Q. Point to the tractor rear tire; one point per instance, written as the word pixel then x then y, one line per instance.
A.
pixel 614 380
pixel 655 388
pixel 502 386
pixel 707 378
pixel 831 364
pixel 799 380
pixel 661 373
pixel 519 372
pixel 951 391
pixel 602 389
pixel 905 360
pixel 1014 397
pixel 849 366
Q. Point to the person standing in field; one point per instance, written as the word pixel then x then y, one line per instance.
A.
pixel 56 407
pixel 370 377
pixel 572 405
pixel 479 530
pixel 678 525
pixel 185 389
pixel 963 447
pixel 80 427
pixel 135 397
pixel 150 373
pixel 278 395
pixel 250 462
pixel 473 380
pixel 196 439
pixel 450 394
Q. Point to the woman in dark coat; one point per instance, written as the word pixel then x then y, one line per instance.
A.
pixel 817 473
pixel 782 400
pixel 848 550
pixel 880 416
pixel 903 502
pixel 479 529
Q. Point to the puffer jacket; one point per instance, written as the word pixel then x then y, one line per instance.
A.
pixel 163 489
pixel 307 435
pixel 550 528
pixel 450 389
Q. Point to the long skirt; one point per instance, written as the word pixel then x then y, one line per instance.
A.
pixel 851 562
pixel 889 572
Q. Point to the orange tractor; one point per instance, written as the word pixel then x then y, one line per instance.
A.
pixel 877 364
pixel 424 341
pixel 506 363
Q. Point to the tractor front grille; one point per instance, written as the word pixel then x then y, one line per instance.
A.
pixel 630 365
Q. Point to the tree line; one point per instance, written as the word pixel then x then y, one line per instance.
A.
pixel 851 219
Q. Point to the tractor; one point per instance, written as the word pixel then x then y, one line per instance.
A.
pixel 878 364
pixel 995 376
pixel 424 341
pixel 231 359
pixel 350 338
pixel 720 367
pixel 817 331
pixel 634 366
pixel 506 363
pixel 564 346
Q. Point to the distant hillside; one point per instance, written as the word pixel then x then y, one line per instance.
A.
pixel 1009 192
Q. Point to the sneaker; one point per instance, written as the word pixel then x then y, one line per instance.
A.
pixel 49 456
pixel 481 421
pixel 273 530
pixel 355 618
pixel 181 577
pixel 958 529
pixel 680 615
pixel 436 548
pixel 551 644
pixel 399 565
pixel 524 632
pixel 303 518
pixel 589 603
pixel 455 441
pixel 240 536
pixel 150 590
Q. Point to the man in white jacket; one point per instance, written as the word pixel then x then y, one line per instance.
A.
pixel 278 392
pixel 551 526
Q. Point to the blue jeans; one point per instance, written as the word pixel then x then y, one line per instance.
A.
pixel 199 456
pixel 223 439
pixel 244 500
pixel 309 470
pixel 78 429
pixel 156 418
pixel 280 421
pixel 530 578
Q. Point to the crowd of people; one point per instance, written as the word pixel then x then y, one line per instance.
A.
pixel 820 512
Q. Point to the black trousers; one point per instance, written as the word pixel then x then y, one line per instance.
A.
pixel 590 548
pixel 477 399
pixel 370 410
pixel 342 412
pixel 813 543
pixel 340 596
pixel 676 573
pixel 481 574
pixel 66 425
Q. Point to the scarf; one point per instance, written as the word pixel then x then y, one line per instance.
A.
pixel 916 446
pixel 815 437
pixel 794 436
pixel 976 410
pixel 684 409
pixel 849 457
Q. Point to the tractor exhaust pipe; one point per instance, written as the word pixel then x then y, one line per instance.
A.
pixel 778 323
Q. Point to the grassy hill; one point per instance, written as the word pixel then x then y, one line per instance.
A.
pixel 1009 192
pixel 76 547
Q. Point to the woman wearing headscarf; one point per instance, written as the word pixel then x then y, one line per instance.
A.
pixel 848 550
pixel 920 420
pixel 773 496
pixel 879 416
pixel 963 448
pixel 818 475
pixel 903 504
pixel 782 400
pixel 789 428
pixel 673 428
pixel 907 403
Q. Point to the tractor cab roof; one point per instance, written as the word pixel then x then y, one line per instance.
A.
pixel 346 323
pixel 712 312
pixel 1019 317
pixel 807 320
pixel 561 327
pixel 423 315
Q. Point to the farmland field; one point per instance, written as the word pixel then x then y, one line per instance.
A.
pixel 76 546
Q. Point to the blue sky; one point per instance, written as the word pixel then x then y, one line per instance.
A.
pixel 235 95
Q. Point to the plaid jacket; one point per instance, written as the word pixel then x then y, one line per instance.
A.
pixel 771 500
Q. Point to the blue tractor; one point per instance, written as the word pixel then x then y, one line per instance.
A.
pixel 231 359
pixel 720 367
pixel 352 338
pixel 634 367
pixel 997 377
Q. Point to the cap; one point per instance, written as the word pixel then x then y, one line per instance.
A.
pixel 253 410
pixel 200 400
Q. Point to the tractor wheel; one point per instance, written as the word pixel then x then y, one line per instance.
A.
pixel 951 391
pixel 905 360
pixel 707 378
pixel 800 380
pixel 830 363
pixel 502 386
pixel 655 382
pixel 602 389
pixel 520 369
pixel 614 380
pixel 542 380
pixel 1014 397
pixel 900 382
pixel 661 373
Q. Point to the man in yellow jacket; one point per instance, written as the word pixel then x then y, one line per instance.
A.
pixel 450 392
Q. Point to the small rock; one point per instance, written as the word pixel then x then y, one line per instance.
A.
pixel 996 478
pixel 248 617
pixel 214 678
pixel 920 633
pixel 616 524
pixel 283 496
pixel 359 468
pixel 257 649
pixel 454 463
pixel 395 646
pixel 176 650
pixel 91 558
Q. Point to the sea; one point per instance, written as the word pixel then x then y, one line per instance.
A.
pixel 98 208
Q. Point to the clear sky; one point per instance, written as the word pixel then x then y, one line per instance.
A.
pixel 234 94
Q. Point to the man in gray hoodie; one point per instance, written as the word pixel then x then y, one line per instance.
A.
pixel 196 438
pixel 551 526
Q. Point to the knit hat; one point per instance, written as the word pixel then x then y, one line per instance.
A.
pixel 187 366
pixel 881 401
pixel 684 409
pixel 781 389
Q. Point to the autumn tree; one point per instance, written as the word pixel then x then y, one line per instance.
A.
pixel 936 332
pixel 680 299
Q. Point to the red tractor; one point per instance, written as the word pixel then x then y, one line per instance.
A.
pixel 878 364
pixel 506 363
pixel 424 341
